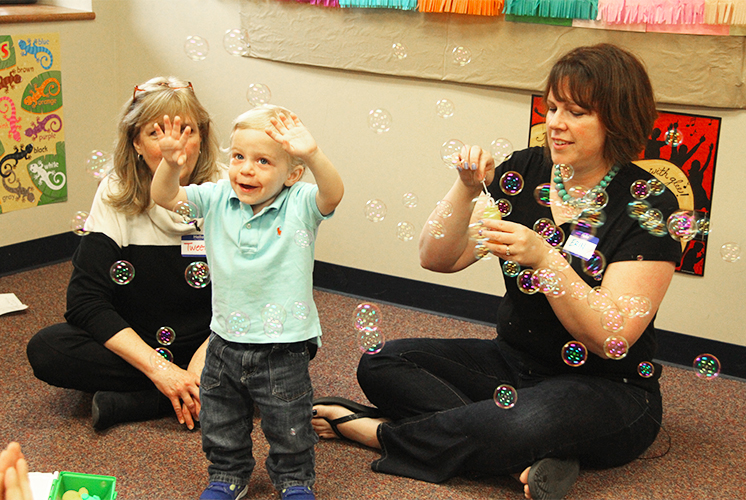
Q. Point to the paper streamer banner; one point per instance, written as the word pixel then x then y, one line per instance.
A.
pixel 32 138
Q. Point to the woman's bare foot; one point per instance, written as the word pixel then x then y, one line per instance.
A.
pixel 362 430
pixel 524 479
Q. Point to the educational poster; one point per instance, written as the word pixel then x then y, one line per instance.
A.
pixel 32 139
pixel 681 152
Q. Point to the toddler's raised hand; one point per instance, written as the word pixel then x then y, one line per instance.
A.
pixel 172 141
pixel 294 137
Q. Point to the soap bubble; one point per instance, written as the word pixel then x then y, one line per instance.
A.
pixel 78 223
pixel 461 55
pixel 237 324
pixel 578 290
pixel 612 320
pixel 505 396
pixel 632 306
pixel 730 252
pixel 258 94
pixel 405 231
pixel 504 207
pixel 379 120
pixel 450 152
pixel 542 194
pixel 543 226
pixel 682 225
pixel 706 366
pixel 595 265
pixel 674 137
pixel 596 199
pixel 574 353
pixel 594 218
pixel 511 183
pixel 165 335
pixel 639 190
pixel 236 42
pixel 273 328
pixel 599 299
pixel 646 369
pixel 370 341
pixel 566 171
pixel 556 237
pixel 481 252
pixel 122 272
pixel 274 312
pixel 158 361
pixel 197 274
pixel 188 210
pixel 375 210
pixel 501 150
pixel 637 208
pixel 656 187
pixel 300 310
pixel 444 108
pixel 527 282
pixel 399 51
pixel 165 353
pixel 367 317
pixel 409 200
pixel 511 268
pixel 303 238
pixel 436 229
pixel 444 209
pixel 98 163
pixel 196 48
pixel 615 347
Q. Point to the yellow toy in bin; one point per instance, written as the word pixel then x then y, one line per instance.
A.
pixel 103 487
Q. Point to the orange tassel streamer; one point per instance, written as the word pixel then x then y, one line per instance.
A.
pixel 472 7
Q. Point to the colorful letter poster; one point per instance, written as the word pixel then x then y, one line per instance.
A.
pixel 681 152
pixel 32 139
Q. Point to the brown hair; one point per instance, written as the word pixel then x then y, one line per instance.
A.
pixel 150 101
pixel 613 83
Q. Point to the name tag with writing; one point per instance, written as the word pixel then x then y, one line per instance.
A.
pixel 193 245
pixel 581 245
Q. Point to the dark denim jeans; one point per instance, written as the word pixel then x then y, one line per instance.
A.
pixel 439 394
pixel 275 377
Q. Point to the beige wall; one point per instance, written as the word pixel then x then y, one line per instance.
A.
pixel 134 40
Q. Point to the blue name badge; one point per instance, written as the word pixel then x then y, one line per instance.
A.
pixel 581 244
pixel 193 245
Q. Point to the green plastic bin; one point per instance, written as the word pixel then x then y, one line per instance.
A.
pixel 103 486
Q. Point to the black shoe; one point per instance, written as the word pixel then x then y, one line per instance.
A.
pixel 110 408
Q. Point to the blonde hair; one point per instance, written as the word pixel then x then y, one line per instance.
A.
pixel 150 101
pixel 258 118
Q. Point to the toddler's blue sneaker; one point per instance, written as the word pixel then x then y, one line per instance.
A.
pixel 223 491
pixel 297 493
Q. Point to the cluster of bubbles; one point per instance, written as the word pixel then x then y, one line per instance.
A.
pixel 235 42
pixel 273 316
pixel 367 319
pixel 162 357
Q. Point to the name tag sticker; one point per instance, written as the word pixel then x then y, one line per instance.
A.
pixel 581 245
pixel 193 245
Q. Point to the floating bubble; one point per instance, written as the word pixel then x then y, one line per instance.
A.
pixel 409 200
pixel 97 164
pixel 596 199
pixel 444 209
pixel 599 299
pixel 511 268
pixel 566 171
pixel 367 317
pixel 612 320
pixel 379 120
pixel 646 369
pixel 682 225
pixel 636 209
pixel 639 190
pixel 504 207
pixel 511 183
pixel 632 306
pixel 293 431
pixel 461 55
pixel 237 324
pixel 122 272
pixel 196 48
pixel 450 152
pixel 674 137
pixel 730 252
pixel 703 223
pixel 578 193
pixel 527 282
pixel 706 366
pixel 188 210
pixel 158 361
pixel 542 194
pixel 399 51
pixel 578 290
pixel 300 310
pixel 544 226
pixel 236 42
pixel 615 347
pixel 656 187
pixel 436 229
pixel 165 353
pixel 595 266
pixel 574 353
pixel 273 328
pixel 444 108
pixel 303 238
pixel 405 231
pixel 594 218
pixel 78 223
pixel 375 210
pixel 651 219
pixel 501 149
pixel 197 274
pixel 481 252
pixel 371 342
pixel 556 237
pixel 258 94
pixel 165 335
pixel 505 396
pixel 274 312
pixel 551 282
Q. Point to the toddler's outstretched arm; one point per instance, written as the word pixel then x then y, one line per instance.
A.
pixel 165 188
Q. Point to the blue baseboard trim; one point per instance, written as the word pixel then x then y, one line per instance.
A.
pixel 36 253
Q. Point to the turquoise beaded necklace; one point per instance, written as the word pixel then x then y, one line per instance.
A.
pixel 560 186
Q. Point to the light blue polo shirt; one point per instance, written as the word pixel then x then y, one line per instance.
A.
pixel 261 265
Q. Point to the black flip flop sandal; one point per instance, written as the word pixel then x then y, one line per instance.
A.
pixel 552 478
pixel 358 411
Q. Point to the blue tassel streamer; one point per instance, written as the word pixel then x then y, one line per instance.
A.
pixel 562 9
pixel 379 4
